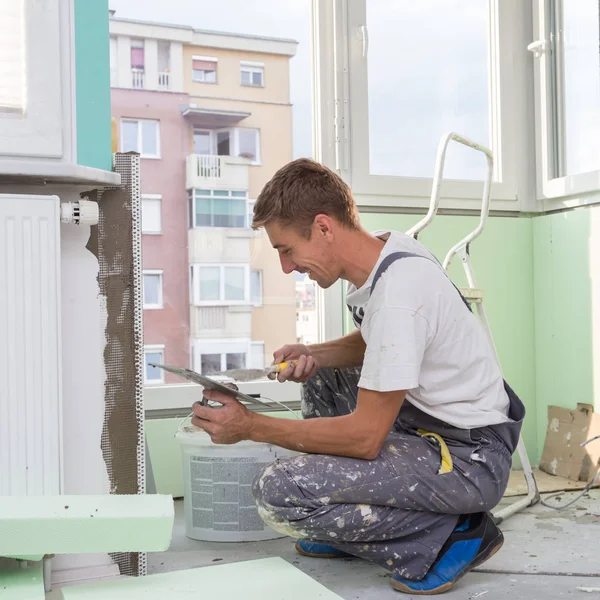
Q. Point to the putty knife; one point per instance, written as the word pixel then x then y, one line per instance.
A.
pixel 252 374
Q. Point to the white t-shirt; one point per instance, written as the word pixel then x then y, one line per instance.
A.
pixel 420 337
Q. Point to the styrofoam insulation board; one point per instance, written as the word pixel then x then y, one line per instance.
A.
pixel 22 584
pixel 250 580
pixel 34 525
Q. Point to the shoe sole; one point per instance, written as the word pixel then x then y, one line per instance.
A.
pixel 299 550
pixel 487 554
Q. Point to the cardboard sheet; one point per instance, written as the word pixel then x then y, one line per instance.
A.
pixel 265 579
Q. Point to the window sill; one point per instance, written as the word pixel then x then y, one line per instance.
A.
pixel 151 232
pixel 43 172
pixel 152 307
pixel 148 157
pixel 571 191
pixel 252 85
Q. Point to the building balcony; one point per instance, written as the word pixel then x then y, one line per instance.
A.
pixel 208 171
pixel 164 81
pixel 218 322
pixel 137 79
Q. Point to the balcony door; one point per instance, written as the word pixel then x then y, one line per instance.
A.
pixel 211 142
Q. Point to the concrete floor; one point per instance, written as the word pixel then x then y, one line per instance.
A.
pixel 547 554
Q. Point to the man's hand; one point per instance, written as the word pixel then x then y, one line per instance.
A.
pixel 305 369
pixel 228 424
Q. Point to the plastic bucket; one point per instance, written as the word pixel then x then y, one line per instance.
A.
pixel 218 501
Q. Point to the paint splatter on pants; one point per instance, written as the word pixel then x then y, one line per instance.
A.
pixel 396 510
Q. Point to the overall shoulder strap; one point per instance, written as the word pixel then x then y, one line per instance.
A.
pixel 394 256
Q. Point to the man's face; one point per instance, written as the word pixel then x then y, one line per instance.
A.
pixel 314 256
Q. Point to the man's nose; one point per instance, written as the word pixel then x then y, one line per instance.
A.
pixel 287 265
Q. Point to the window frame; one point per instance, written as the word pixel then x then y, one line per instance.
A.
pixel 219 346
pixel 252 67
pixel 343 121
pixel 155 273
pixel 214 59
pixel 261 302
pixel 140 137
pixel 192 196
pixel 156 348
pixel 560 191
pixel 155 197
pixel 195 285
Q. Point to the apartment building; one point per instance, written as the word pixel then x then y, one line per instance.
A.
pixel 210 114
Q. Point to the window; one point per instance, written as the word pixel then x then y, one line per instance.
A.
pixel 202 142
pixel 137 64
pixel 249 144
pixel 220 284
pixel 153 296
pixel 153 355
pixel 204 69
pixel 256 288
pixel 215 356
pixel 257 355
pixel 252 73
pixel 568 83
pixel 217 208
pixel 141 135
pixel 151 213
pixel 394 107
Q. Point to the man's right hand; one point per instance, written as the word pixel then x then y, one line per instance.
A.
pixel 305 369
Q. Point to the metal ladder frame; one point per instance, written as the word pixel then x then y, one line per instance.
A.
pixel 472 294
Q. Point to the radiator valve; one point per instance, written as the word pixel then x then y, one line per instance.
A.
pixel 79 212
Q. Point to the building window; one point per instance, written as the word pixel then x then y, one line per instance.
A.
pixel 151 213
pixel 204 69
pixel 215 356
pixel 137 64
pixel 153 294
pixel 142 136
pixel 220 284
pixel 256 288
pixel 252 73
pixel 153 355
pixel 248 144
pixel 164 65
pixel 202 142
pixel 257 355
pixel 217 208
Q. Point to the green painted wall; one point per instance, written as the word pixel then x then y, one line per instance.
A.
pixel 502 259
pixel 92 69
pixel 563 312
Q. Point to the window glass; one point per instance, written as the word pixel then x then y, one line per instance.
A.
pixel 210 283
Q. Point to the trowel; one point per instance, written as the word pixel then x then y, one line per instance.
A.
pixel 243 375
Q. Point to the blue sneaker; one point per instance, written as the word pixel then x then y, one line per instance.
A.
pixel 319 550
pixel 472 542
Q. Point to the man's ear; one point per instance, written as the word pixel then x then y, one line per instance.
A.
pixel 324 225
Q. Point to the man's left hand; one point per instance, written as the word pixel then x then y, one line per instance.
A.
pixel 228 424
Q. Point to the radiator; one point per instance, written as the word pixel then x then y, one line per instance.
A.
pixel 30 353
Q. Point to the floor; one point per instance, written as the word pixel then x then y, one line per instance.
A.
pixel 547 554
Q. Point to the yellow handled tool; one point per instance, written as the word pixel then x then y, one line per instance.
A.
pixel 252 374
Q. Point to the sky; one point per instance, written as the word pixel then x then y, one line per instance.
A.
pixel 276 18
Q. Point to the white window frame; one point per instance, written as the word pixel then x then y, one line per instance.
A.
pixel 157 273
pixel 214 59
pixel 261 284
pixel 192 196
pixel 195 285
pixel 342 124
pixel 152 197
pixel 219 346
pixel 139 140
pixel 44 130
pixel 158 348
pixel 236 143
pixel 250 66
pixel 554 191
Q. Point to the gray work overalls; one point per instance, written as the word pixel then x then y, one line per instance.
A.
pixel 399 509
